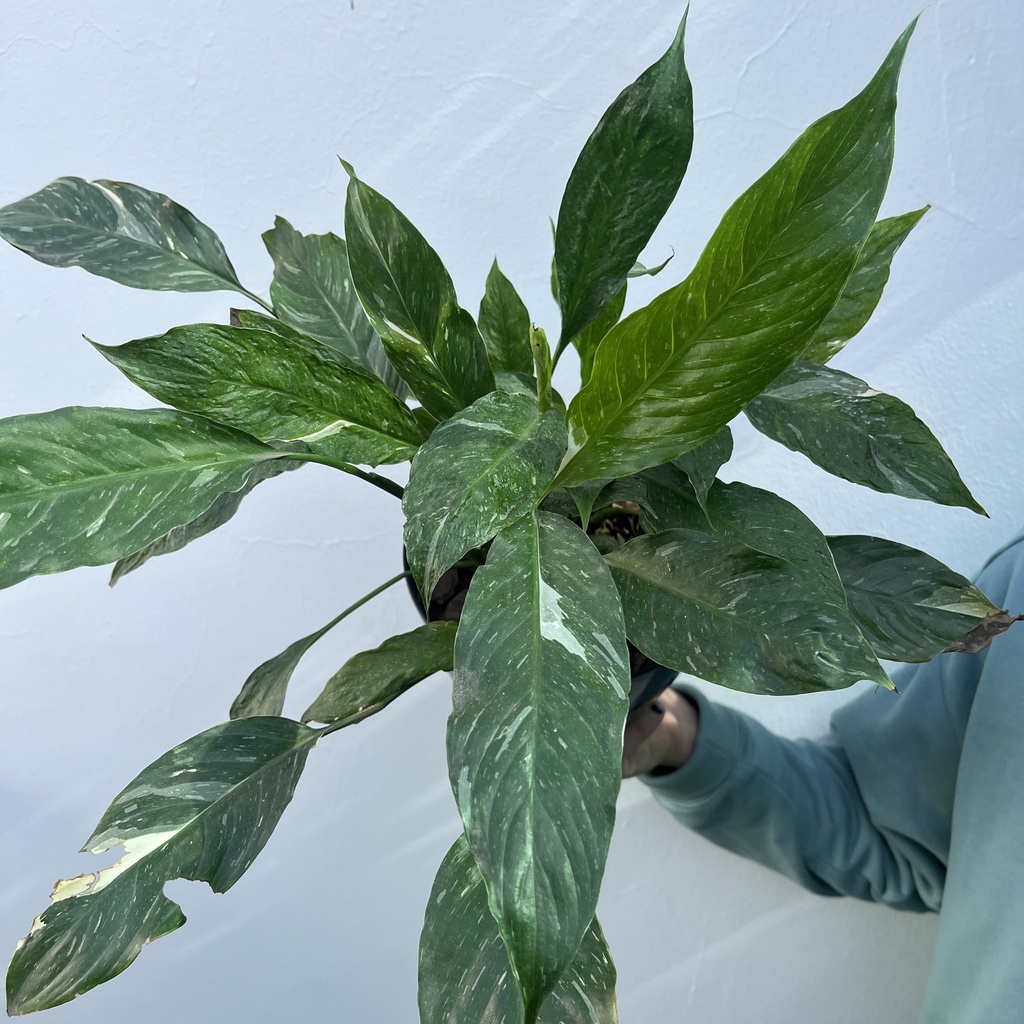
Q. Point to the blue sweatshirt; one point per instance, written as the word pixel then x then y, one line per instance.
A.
pixel 917 802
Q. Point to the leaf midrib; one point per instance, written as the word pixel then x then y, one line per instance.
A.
pixel 128 475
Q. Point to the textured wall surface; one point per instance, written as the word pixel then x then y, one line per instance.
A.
pixel 469 116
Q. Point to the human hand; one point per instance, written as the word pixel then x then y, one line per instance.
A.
pixel 660 734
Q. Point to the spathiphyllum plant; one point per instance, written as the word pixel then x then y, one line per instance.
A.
pixel 539 535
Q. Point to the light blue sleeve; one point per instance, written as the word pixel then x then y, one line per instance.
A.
pixel 917 802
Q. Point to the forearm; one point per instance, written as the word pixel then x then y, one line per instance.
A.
pixel 794 807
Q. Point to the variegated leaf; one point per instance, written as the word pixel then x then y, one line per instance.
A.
pixel 541 680
pixel 864 289
pixel 672 374
pixel 202 811
pixel 909 605
pixel 313 291
pixel 273 386
pixel 89 486
pixel 859 434
pixel 465 974
pixel 373 679
pixel 479 471
pixel 624 180
pixel 120 231
pixel 409 298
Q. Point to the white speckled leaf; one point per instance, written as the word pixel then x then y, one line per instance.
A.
pixel 465 974
pixel 375 678
pixel 82 486
pixel 477 473
pixel 748 619
pixel 909 605
pixel 674 373
pixel 313 292
pixel 541 682
pixel 624 180
pixel 409 298
pixel 120 231
pixel 701 464
pixel 505 325
pixel 273 386
pixel 223 509
pixel 202 811
pixel 864 289
pixel 858 434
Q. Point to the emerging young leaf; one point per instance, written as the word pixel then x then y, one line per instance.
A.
pixel 120 231
pixel 273 386
pixel 624 180
pixel 859 434
pixel 409 298
pixel 541 675
pixel 89 486
pixel 479 472
pixel 375 678
pixel 864 289
pixel 639 270
pixel 675 372
pixel 909 605
pixel 505 325
pixel 313 291
pixel 465 974
pixel 223 508
pixel 202 811
pixel 712 606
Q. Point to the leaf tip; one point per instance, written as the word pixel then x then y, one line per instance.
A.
pixel 349 169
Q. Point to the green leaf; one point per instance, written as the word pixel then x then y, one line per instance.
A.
pixel 541 680
pixel 505 325
pixel 674 373
pixel 464 971
pixel 477 473
pixel 585 497
pixel 264 691
pixel 409 298
pixel 593 334
pixel 223 508
pixel 375 678
pixel 202 811
pixel 744 618
pixel 88 486
pixel 624 180
pixel 909 605
pixel 313 292
pixel 858 434
pixel 864 289
pixel 701 464
pixel 272 386
pixel 120 231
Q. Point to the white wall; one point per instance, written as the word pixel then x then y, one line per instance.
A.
pixel 468 115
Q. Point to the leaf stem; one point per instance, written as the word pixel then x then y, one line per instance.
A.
pixel 255 298
pixel 354 718
pixel 371 478
pixel 357 605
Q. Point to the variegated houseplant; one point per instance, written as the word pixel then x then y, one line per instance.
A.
pixel 578 526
